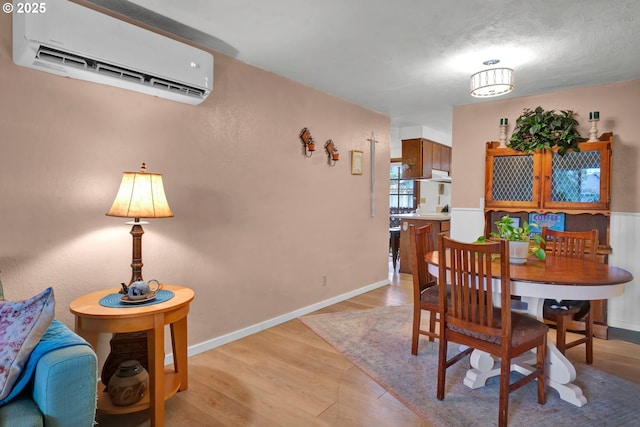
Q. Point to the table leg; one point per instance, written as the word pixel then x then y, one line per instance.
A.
pixel 90 336
pixel 179 344
pixel 560 372
pixel 481 369
pixel 155 339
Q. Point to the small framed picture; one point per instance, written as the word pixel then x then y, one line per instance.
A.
pixel 356 162
pixel 553 221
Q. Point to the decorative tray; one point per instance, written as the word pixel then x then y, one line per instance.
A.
pixel 126 300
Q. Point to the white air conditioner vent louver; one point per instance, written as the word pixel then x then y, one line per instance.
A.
pixel 53 55
pixel 176 87
pixel 119 73
pixel 59 57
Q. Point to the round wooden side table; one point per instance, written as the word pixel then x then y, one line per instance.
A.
pixel 91 319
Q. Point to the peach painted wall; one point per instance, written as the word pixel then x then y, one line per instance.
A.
pixel 618 104
pixel 257 225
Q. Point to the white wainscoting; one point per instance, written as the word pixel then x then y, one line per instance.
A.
pixel 624 311
pixel 467 224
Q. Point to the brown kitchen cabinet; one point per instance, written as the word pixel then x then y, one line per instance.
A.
pixel 422 155
pixel 438 226
pixel 412 161
pixel 445 164
pixel 440 157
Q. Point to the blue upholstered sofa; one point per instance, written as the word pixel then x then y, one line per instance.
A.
pixel 61 391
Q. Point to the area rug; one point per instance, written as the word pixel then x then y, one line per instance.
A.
pixel 378 341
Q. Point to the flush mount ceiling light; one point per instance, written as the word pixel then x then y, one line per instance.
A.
pixel 492 82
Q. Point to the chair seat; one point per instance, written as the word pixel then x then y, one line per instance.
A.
pixel 430 298
pixel 578 309
pixel 523 329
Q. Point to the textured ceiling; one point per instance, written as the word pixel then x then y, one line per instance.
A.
pixel 412 59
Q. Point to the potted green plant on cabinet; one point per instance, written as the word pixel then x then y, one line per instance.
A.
pixel 520 243
pixel 538 129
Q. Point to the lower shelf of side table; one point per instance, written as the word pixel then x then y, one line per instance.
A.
pixel 171 386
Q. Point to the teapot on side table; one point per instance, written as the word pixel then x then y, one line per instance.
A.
pixel 140 289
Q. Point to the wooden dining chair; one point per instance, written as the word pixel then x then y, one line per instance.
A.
pixel 581 244
pixel 394 245
pixel 472 319
pixel 425 289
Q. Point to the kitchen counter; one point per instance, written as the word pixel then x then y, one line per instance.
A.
pixel 439 223
pixel 434 216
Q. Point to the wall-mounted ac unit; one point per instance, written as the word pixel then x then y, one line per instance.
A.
pixel 74 41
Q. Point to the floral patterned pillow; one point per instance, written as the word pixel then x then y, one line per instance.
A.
pixel 22 324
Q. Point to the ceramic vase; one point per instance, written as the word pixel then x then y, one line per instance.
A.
pixel 128 384
pixel 518 252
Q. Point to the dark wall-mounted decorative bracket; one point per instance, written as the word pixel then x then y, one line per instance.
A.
pixel 332 153
pixel 308 144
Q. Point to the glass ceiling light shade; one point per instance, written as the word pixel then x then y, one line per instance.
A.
pixel 492 82
pixel 141 195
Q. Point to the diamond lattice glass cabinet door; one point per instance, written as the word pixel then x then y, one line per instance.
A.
pixel 512 179
pixel 578 180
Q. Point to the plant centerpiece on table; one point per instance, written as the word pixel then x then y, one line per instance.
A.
pixel 520 243
pixel 537 129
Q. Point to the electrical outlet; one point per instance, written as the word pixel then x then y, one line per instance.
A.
pixel 423 200
pixel 324 280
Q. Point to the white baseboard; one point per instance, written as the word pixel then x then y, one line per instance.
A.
pixel 241 333
pixel 624 325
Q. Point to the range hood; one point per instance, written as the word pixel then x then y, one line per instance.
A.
pixel 436 176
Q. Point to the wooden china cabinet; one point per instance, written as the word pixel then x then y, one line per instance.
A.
pixel 576 184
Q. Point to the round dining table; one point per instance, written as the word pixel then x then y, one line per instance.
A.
pixel 556 277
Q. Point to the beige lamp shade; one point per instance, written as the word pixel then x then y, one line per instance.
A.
pixel 141 195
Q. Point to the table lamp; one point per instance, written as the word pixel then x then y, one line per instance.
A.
pixel 141 195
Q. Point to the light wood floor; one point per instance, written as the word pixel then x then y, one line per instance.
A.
pixel 289 376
